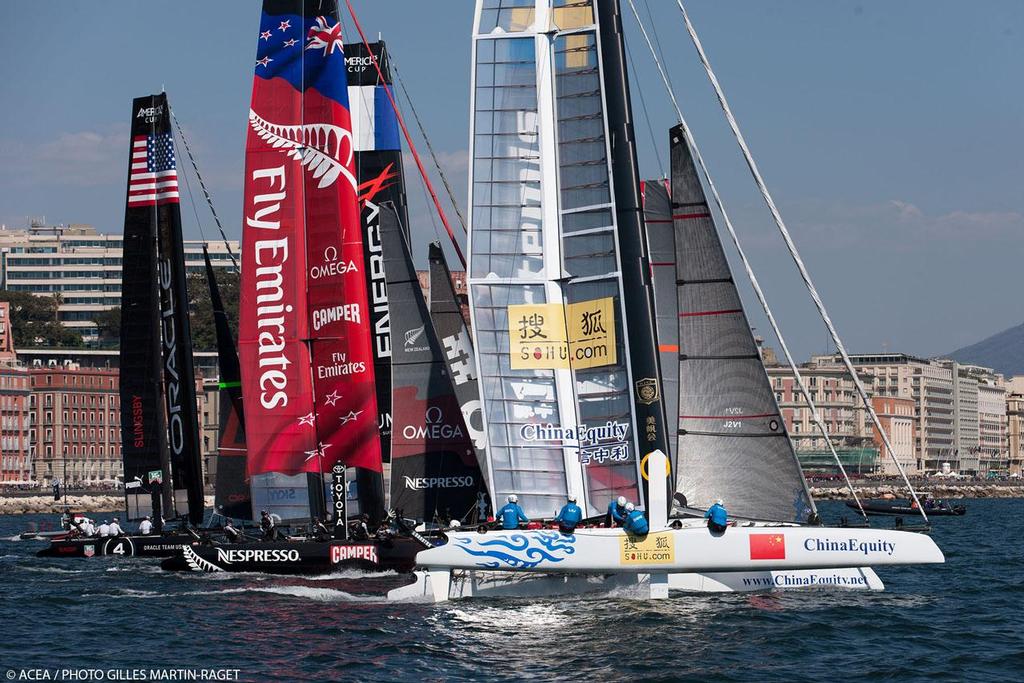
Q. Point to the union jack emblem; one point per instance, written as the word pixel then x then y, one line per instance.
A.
pixel 324 36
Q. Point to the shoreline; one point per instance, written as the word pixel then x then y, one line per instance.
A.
pixel 86 503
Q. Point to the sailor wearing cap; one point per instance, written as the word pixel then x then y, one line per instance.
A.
pixel 145 526
pixel 569 516
pixel 511 514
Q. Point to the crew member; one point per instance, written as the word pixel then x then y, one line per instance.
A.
pixel 511 514
pixel 231 533
pixel 361 528
pixel 145 526
pixel 104 529
pixel 569 516
pixel 87 527
pixel 616 512
pixel 115 528
pixel 268 526
pixel 636 523
pixel 718 518
pixel 320 530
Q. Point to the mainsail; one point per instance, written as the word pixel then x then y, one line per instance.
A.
pixel 143 422
pixel 378 161
pixel 304 342
pixel 732 440
pixel 550 241
pixel 457 345
pixel 434 473
pixel 231 489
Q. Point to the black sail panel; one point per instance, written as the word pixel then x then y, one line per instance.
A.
pixel 178 368
pixel 457 346
pixel 232 497
pixel 143 426
pixel 732 443
pixel 434 472
pixel 662 249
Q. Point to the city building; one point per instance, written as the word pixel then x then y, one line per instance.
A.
pixel 458 278
pixel 1015 424
pixel 897 417
pixel 15 414
pixel 77 425
pixel 839 407
pixel 81 267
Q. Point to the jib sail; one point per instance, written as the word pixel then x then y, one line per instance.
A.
pixel 434 473
pixel 305 332
pixel 732 440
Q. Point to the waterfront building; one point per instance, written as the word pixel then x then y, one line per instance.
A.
pixel 77 425
pixel 1015 424
pixel 897 416
pixel 15 415
pixel 839 407
pixel 80 266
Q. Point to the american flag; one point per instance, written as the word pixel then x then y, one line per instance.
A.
pixel 153 178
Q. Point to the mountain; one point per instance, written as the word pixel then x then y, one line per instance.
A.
pixel 1004 352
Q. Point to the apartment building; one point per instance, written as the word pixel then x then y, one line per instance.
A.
pixel 80 266
pixel 897 417
pixel 1015 424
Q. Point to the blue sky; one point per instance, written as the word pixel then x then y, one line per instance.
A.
pixel 891 135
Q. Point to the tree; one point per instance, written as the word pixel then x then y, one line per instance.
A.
pixel 204 331
pixel 108 323
pixel 34 320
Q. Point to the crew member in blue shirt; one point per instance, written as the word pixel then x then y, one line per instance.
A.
pixel 616 512
pixel 718 518
pixel 636 523
pixel 569 516
pixel 511 515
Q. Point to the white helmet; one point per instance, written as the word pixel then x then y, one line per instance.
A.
pixel 455 524
pixel 572 498
pixel 630 507
pixel 621 501
pixel 718 501
pixel 513 498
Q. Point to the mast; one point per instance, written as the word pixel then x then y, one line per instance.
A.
pixel 143 421
pixel 434 473
pixel 304 332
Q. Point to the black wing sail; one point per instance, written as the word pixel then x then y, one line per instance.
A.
pixel 732 440
pixel 434 472
pixel 179 370
pixel 143 425
pixel 232 497
pixel 457 346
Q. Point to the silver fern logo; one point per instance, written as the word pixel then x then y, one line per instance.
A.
pixel 324 149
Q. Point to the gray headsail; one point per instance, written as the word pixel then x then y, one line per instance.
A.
pixel 661 246
pixel 732 439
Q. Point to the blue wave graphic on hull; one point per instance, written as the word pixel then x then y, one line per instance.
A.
pixel 520 551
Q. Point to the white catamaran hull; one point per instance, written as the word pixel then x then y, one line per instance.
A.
pixel 743 558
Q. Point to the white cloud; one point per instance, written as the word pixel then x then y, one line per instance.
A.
pixel 80 159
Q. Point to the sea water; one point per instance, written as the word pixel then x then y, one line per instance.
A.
pixel 125 619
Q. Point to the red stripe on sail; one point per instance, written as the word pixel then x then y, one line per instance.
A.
pixel 699 313
pixel 726 417
pixel 689 216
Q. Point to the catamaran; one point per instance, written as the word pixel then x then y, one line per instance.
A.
pixel 159 424
pixel 578 343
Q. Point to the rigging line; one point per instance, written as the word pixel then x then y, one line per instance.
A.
pixel 408 138
pixel 762 299
pixel 430 147
pixel 657 40
pixel 795 254
pixel 206 193
pixel 647 117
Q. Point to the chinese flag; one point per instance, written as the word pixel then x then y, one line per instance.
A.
pixel 767 547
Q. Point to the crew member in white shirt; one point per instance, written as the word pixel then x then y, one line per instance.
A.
pixel 145 526
pixel 115 528
pixel 104 529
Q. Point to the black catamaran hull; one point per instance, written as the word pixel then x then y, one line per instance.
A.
pixel 117 546
pixel 298 557
pixel 881 507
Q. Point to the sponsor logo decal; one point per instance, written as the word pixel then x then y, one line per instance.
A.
pixel 421 483
pixel 331 265
pixel 647 391
pixel 89 550
pixel 413 336
pixel 767 547
pixel 341 553
pixel 652 549
pixel 151 114
pixel 606 442
pixel 434 427
pixel 552 336
pixel 347 312
pixel 232 555
pixel 324 149
pixel 849 545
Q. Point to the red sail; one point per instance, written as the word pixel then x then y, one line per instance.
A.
pixel 304 338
